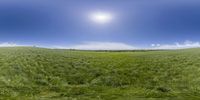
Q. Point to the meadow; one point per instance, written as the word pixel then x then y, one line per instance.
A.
pixel 30 73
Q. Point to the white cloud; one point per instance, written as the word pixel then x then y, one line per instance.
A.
pixel 123 46
pixel 102 46
pixel 114 46
pixel 7 44
pixel 153 45
pixel 177 45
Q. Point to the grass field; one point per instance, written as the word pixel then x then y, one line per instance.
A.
pixel 45 74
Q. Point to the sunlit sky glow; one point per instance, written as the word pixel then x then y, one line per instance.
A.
pixel 101 17
pixel 98 24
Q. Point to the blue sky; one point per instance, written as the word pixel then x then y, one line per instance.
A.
pixel 67 23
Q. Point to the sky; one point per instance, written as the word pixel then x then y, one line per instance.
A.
pixel 100 24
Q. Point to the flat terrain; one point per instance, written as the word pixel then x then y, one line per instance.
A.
pixel 45 74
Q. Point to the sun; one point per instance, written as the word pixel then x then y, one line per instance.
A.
pixel 101 17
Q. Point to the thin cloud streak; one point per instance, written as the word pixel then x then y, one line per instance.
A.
pixel 92 45
pixel 7 44
pixel 102 46
pixel 177 45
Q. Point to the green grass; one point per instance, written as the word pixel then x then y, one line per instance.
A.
pixel 45 74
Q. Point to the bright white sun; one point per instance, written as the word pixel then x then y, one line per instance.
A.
pixel 100 17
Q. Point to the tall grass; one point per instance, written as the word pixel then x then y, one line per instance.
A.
pixel 44 74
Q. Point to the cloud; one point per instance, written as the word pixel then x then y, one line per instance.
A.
pixel 114 46
pixel 123 46
pixel 102 46
pixel 7 44
pixel 177 45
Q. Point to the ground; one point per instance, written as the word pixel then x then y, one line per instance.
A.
pixel 28 73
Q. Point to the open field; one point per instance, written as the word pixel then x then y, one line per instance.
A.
pixel 45 74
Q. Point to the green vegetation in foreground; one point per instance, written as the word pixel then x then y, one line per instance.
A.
pixel 45 74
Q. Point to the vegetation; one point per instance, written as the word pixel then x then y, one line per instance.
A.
pixel 47 74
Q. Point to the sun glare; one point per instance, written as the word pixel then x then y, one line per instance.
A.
pixel 101 17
